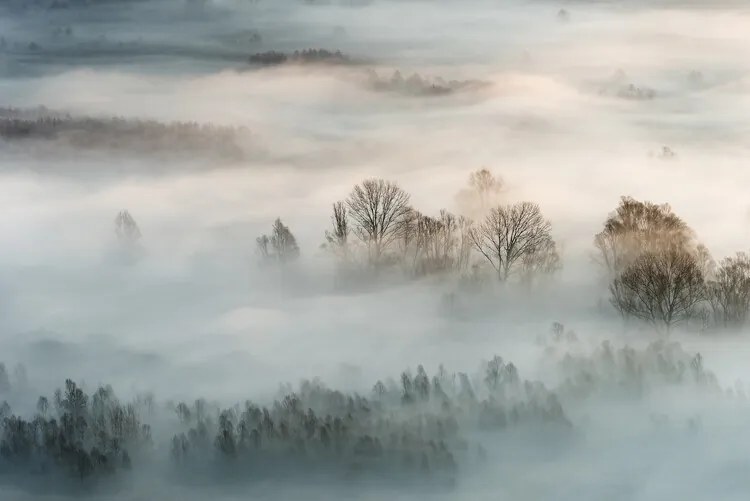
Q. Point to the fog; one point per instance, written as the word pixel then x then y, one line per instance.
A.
pixel 146 146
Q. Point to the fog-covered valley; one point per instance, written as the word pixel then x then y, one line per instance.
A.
pixel 374 249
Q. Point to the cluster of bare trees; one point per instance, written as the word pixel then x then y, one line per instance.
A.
pixel 659 273
pixel 656 269
pixel 376 228
pixel 514 240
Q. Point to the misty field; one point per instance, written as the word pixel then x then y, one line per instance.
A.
pixel 374 249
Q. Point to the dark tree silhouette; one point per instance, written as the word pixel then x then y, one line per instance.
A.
pixel 511 234
pixel 280 247
pixel 661 287
pixel 657 269
pixel 337 239
pixel 283 242
pixel 122 134
pixel 729 292
pixel 377 209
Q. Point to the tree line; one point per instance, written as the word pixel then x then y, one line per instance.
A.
pixel 417 85
pixel 117 133
pixel 305 56
pixel 376 228
pixel 657 270
pixel 406 429
pixel 414 427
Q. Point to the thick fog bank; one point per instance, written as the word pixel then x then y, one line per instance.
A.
pixel 374 249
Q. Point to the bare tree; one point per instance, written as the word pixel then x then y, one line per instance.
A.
pixel 544 261
pixel 283 242
pixel 485 184
pixel 636 227
pixel 511 233
pixel 446 242
pixel 262 243
pixel 281 246
pixel 481 193
pixel 660 287
pixel 408 241
pixel 433 244
pixel 377 208
pixel 705 262
pixel 337 240
pixel 729 293
pixel 126 228
pixel 464 243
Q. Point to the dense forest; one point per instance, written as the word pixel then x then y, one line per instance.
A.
pixel 413 428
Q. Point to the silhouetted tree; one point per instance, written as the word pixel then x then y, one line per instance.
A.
pixel 280 246
pixel 509 234
pixel 377 209
pixel 337 239
pixel 729 293
pixel 42 406
pixel 262 244
pixel 126 229
pixel 661 287
pixel 482 193
pixel 283 242
pixel 637 227
pixel 485 185
pixel 544 261
pixel 658 271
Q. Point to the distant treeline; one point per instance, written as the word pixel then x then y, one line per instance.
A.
pixel 306 56
pixel 116 133
pixel 416 85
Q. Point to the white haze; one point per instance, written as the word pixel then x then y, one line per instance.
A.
pixel 196 316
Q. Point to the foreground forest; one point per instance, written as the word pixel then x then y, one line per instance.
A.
pixel 417 429
pixel 377 249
